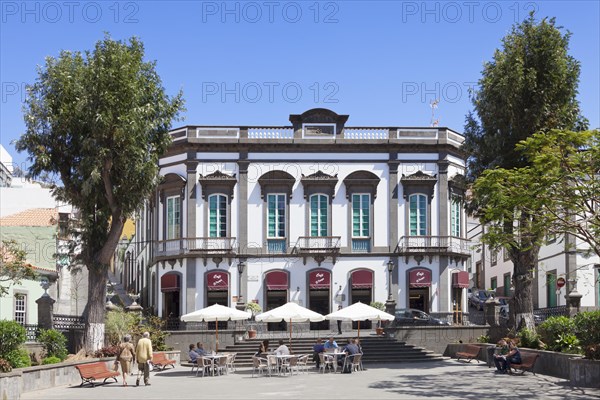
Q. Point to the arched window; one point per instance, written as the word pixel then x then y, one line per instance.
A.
pixel 318 215
pixel 217 215
pixel 418 215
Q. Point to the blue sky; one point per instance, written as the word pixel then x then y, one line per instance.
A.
pixel 254 63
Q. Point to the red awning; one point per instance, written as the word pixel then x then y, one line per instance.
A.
pixel 419 277
pixel 277 280
pixel 169 283
pixel 217 280
pixel 362 279
pixel 460 279
pixel 320 279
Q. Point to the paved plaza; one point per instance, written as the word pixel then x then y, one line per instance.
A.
pixel 447 379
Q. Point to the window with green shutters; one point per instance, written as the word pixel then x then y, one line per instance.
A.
pixel 361 215
pixel 455 221
pixel 318 215
pixel 276 216
pixel 418 215
pixel 173 217
pixel 217 215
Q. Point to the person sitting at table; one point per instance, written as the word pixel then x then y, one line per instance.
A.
pixel 282 349
pixel 349 351
pixel 193 354
pixel 330 344
pixel 200 349
pixel 263 349
pixel 318 348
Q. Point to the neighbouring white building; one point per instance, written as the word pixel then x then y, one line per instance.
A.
pixel 317 212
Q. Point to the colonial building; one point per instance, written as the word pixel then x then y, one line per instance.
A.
pixel 316 212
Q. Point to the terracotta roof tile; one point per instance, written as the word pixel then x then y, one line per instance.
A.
pixel 31 217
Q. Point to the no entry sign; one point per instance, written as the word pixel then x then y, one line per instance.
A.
pixel 560 282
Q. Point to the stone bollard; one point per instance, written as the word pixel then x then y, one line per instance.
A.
pixel 491 310
pixel 45 311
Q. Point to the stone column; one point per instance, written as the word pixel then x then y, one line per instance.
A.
pixel 443 200
pixel 45 311
pixel 243 164
pixel 190 198
pixel 393 236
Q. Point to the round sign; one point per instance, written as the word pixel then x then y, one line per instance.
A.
pixel 560 282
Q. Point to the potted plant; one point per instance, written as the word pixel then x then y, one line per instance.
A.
pixel 254 308
pixel 381 307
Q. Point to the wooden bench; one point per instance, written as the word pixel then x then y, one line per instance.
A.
pixel 160 361
pixel 470 352
pixel 93 371
pixel 527 363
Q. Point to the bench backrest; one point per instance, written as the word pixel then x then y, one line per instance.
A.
pixel 92 369
pixel 471 348
pixel 159 357
pixel 528 358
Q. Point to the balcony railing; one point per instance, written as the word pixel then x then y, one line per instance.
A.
pixel 433 244
pixel 205 245
pixel 317 244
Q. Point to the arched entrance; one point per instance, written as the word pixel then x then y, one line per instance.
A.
pixel 170 286
pixel 362 290
pixel 277 284
pixel 419 283
pixel 319 296
pixel 217 292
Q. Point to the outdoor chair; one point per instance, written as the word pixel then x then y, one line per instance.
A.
pixel 303 362
pixel 272 364
pixel 221 365
pixel 357 362
pixel 231 361
pixel 326 361
pixel 204 365
pixel 259 365
pixel 290 364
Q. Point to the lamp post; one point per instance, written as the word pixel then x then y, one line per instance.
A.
pixel 390 304
pixel 240 267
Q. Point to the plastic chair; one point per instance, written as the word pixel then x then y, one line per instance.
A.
pixel 231 361
pixel 303 362
pixel 259 365
pixel 222 365
pixel 326 360
pixel 357 362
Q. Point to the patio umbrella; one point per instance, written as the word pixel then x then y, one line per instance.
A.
pixel 290 312
pixel 360 312
pixel 216 313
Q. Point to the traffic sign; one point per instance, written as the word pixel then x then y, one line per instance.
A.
pixel 560 282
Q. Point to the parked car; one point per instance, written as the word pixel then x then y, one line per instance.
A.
pixel 411 316
pixel 479 297
pixel 503 306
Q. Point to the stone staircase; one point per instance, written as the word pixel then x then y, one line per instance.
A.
pixel 375 349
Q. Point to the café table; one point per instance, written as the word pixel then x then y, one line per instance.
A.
pixel 213 357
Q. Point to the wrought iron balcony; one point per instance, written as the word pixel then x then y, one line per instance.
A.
pixel 433 245
pixel 205 247
pixel 318 247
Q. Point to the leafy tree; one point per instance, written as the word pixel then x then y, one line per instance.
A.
pixel 530 86
pixel 12 266
pixel 571 164
pixel 100 120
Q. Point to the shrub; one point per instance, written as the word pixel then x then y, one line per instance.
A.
pixel 5 366
pixel 567 343
pixel 154 326
pixel 18 358
pixel 118 324
pixel 587 327
pixel 51 360
pixel 529 339
pixel 552 328
pixel 108 351
pixel 378 305
pixel 54 343
pixel 12 335
pixel 483 339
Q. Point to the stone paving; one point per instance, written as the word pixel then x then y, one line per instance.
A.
pixel 448 379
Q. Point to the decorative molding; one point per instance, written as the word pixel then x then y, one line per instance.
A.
pixel 419 182
pixel 360 182
pixel 276 182
pixel 217 182
pixel 319 182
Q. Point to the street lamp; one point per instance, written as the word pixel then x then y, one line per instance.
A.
pixel 390 304
pixel 240 267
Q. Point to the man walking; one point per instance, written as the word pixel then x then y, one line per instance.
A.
pixel 143 354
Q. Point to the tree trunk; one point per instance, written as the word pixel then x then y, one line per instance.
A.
pixel 94 311
pixel 525 262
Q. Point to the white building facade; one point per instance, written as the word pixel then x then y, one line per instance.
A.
pixel 316 212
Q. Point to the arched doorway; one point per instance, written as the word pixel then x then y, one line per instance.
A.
pixel 362 290
pixel 170 286
pixel 319 296
pixel 277 284
pixel 419 283
pixel 217 292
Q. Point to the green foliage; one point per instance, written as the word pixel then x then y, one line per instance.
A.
pixel 154 326
pixel 592 351
pixel 12 335
pixel 567 343
pixel 118 324
pixel 378 305
pixel 108 351
pixel 552 328
pixel 54 343
pixel 529 339
pixel 51 360
pixel 254 308
pixel 587 327
pixel 483 339
pixel 18 358
pixel 12 266
pixel 5 366
pixel 100 120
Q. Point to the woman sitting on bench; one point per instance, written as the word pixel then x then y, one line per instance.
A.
pixel 513 357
